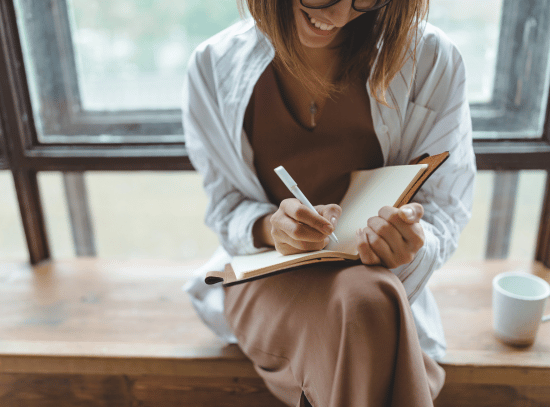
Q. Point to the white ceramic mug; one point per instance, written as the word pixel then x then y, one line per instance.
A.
pixel 518 305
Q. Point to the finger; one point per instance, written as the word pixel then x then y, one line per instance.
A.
pixel 412 233
pixel 297 247
pixel 288 229
pixel 366 253
pixel 301 213
pixel 388 233
pixel 411 213
pixel 331 212
pixel 381 248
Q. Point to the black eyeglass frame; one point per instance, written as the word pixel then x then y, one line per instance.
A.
pixel 332 3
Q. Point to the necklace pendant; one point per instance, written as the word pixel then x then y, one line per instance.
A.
pixel 313 112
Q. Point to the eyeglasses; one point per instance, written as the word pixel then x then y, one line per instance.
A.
pixel 358 5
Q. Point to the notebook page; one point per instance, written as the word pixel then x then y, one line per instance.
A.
pixel 369 191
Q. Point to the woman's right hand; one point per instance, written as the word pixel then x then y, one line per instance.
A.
pixel 296 229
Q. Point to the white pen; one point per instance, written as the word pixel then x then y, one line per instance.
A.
pixel 293 187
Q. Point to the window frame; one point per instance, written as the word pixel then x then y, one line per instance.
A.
pixel 503 111
pixel 25 154
pixel 158 134
pixel 67 121
pixel 33 154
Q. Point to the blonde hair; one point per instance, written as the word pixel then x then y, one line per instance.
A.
pixel 377 44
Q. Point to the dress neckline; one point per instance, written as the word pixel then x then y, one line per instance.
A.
pixel 276 85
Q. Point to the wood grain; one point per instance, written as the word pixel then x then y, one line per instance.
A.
pixel 123 333
pixel 18 390
pixel 463 292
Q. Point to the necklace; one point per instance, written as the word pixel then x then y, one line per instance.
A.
pixel 313 108
pixel 313 112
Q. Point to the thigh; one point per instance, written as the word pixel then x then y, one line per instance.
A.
pixel 297 328
pixel 274 317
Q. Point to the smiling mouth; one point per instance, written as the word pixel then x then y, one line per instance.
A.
pixel 317 26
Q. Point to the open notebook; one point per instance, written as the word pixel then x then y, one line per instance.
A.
pixel 369 190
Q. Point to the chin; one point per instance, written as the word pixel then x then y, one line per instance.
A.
pixel 310 40
pixel 306 42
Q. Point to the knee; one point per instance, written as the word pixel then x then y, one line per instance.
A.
pixel 366 298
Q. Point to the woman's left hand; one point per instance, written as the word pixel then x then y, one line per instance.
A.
pixel 392 238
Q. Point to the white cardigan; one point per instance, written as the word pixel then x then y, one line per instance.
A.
pixel 431 115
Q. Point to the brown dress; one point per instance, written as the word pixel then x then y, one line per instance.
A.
pixel 341 335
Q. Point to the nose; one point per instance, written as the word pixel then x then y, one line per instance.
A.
pixel 340 13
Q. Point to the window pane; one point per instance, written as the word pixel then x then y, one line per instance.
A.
pixel 525 227
pixel 149 215
pixel 505 48
pixel 525 221
pixel 473 240
pixel 133 54
pixel 474 27
pixel 13 245
pixel 56 214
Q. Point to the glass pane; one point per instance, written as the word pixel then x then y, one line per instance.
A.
pixel 132 54
pixel 525 227
pixel 56 214
pixel 13 245
pixel 149 215
pixel 505 48
pixel 473 240
pixel 525 223
pixel 474 27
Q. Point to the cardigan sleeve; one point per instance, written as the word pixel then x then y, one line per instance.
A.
pixel 438 119
pixel 231 212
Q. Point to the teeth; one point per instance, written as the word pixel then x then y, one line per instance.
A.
pixel 322 26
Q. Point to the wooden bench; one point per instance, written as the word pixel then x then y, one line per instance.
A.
pixel 93 332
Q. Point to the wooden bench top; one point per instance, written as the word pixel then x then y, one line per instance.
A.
pixel 96 316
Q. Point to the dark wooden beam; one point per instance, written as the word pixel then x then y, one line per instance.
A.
pixel 79 158
pixel 18 131
pixel 26 186
pixel 513 155
pixel 543 242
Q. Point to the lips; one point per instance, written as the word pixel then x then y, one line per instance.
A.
pixel 316 30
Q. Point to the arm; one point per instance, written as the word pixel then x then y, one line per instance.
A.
pixel 238 210
pixel 441 104
pixel 235 200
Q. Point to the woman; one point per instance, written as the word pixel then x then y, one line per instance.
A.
pixel 326 87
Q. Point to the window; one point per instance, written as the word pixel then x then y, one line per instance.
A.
pixel 91 89
pixel 505 48
pixel 98 77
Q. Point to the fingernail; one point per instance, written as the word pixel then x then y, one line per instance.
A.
pixel 334 221
pixel 408 212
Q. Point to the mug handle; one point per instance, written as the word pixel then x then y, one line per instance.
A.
pixel 546 318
